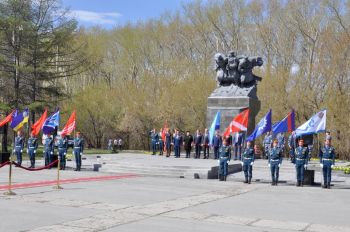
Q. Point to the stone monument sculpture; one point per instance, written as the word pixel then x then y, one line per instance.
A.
pixel 236 88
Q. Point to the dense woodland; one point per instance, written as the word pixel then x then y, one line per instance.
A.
pixel 127 80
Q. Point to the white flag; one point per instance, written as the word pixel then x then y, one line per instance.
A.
pixel 315 124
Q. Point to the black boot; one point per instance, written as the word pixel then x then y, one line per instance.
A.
pixel 276 182
pixel 324 185
pixel 250 180
pixel 246 180
pixel 329 185
pixel 297 184
pixel 302 184
pixel 220 177
pixel 225 178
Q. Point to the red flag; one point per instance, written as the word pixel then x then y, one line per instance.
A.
pixel 239 123
pixel 165 129
pixel 36 127
pixel 7 119
pixel 70 125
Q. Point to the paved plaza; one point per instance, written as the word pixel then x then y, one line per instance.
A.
pixel 121 197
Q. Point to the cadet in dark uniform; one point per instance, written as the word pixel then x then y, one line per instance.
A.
pixel 267 143
pixel 197 144
pixel 292 143
pixel 62 151
pixel 281 142
pixel 160 142
pixel 177 144
pixel 78 150
pixel 188 141
pixel 48 149
pixel 168 143
pixel 19 145
pixel 247 162
pixel 205 144
pixel 217 142
pixel 154 140
pixel 301 161
pixel 275 161
pixel 237 144
pixel 225 157
pixel 32 146
pixel 327 158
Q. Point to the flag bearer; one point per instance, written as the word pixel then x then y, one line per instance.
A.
pixel 275 161
pixel 19 145
pixel 62 151
pixel 48 149
pixel 32 146
pixel 247 162
pixel 225 157
pixel 327 157
pixel 78 150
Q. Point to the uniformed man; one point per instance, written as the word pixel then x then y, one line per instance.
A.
pixel 154 140
pixel 217 142
pixel 48 149
pixel 78 150
pixel 225 157
pixel 197 143
pixel 188 141
pixel 205 144
pixel 301 161
pixel 237 145
pixel 62 145
pixel 177 143
pixel 275 161
pixel 267 143
pixel 247 162
pixel 328 135
pixel 292 142
pixel 327 162
pixel 19 145
pixel 168 143
pixel 281 142
pixel 32 146
pixel 160 141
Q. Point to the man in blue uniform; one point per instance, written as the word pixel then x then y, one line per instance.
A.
pixel 197 144
pixel 160 141
pixel 205 144
pixel 267 143
pixel 275 161
pixel 237 143
pixel 327 158
pixel 62 150
pixel 301 161
pixel 32 146
pixel 168 143
pixel 48 149
pixel 247 162
pixel 292 143
pixel 225 157
pixel 177 144
pixel 216 144
pixel 281 142
pixel 78 150
pixel 19 145
pixel 154 140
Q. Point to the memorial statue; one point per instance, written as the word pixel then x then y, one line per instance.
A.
pixel 236 70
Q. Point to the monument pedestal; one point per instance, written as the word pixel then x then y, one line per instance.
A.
pixel 230 107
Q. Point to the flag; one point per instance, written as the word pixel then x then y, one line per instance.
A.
pixel 51 123
pixel 19 119
pixel 263 126
pixel 70 125
pixel 239 123
pixel 215 125
pixel 285 125
pixel 165 129
pixel 36 127
pixel 316 124
pixel 7 119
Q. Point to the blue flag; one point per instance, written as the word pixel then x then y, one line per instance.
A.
pixel 51 123
pixel 285 125
pixel 315 124
pixel 215 125
pixel 263 126
pixel 19 119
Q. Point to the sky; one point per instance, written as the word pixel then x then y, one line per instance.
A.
pixel 109 13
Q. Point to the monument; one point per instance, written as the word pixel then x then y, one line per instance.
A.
pixel 236 89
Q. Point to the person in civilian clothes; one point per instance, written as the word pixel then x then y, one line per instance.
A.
pixel 217 142
pixel 177 141
pixel 237 144
pixel 205 144
pixel 188 141
pixel 168 143
pixel 197 143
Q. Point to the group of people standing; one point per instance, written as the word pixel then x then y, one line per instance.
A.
pixel 49 147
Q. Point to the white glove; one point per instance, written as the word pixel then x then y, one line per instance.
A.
pixel 218 161
pixel 21 150
pixel 13 151
pixel 58 153
pixel 27 151
pixel 251 164
pixel 321 165
pixel 51 153
pixel 305 166
pixel 81 153
pixel 279 165
pixel 332 166
pixel 227 161
pixel 242 163
pixel 34 151
pixel 65 153
pixel 269 165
